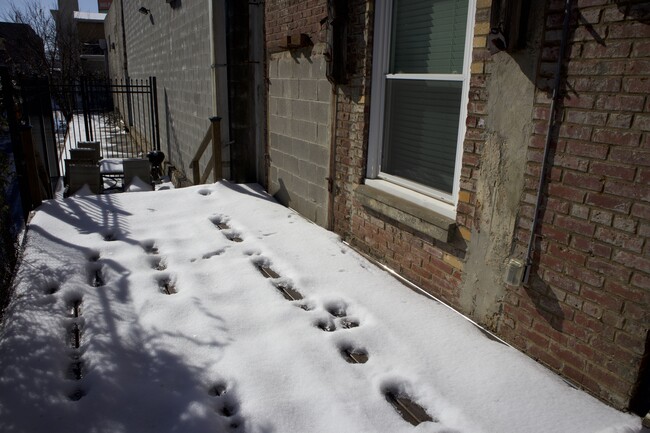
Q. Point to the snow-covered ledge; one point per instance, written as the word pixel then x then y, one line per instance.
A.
pixel 415 216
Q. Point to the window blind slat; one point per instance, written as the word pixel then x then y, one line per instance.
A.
pixel 421 131
pixel 428 36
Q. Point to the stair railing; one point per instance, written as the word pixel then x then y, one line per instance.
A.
pixel 212 135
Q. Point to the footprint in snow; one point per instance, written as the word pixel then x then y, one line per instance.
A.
pixel 353 354
pixel 226 405
pixel 51 289
pixel 397 395
pixel 75 370
pixel 95 275
pixel 213 253
pixel 157 263
pixel 150 247
pixel 220 222
pixel 285 288
pixel 167 285
pixel 76 395
pixel 338 319
pixel 336 308
pixel 109 236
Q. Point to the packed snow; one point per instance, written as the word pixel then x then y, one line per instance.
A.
pixel 178 330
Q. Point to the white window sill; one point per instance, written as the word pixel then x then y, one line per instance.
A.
pixel 417 211
pixel 419 199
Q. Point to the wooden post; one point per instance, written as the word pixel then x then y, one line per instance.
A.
pixel 216 147
pixel 196 173
pixel 30 166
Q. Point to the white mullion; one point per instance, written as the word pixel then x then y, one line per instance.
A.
pixel 381 54
pixel 422 189
pixel 428 77
pixel 462 127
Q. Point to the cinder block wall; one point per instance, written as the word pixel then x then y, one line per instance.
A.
pixel 173 45
pixel 299 108
pixel 585 312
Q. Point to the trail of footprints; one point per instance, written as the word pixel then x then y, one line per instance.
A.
pixel 166 282
pixel 74 331
pixel 226 405
pixel 338 318
pixel 73 342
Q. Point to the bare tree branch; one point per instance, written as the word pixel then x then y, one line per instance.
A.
pixel 62 61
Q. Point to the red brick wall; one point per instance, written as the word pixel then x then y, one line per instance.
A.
pixel 287 17
pixel 434 266
pixel 352 113
pixel 467 210
pixel 585 312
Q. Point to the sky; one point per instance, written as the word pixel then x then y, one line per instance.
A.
pixel 84 5
pixel 214 308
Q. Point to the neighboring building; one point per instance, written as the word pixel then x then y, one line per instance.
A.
pixel 21 51
pixel 80 35
pixel 427 152
pixel 201 72
pixel 90 29
pixel 103 6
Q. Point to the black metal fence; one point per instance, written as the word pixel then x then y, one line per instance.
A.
pixel 121 114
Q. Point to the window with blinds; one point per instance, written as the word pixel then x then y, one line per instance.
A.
pixel 428 36
pixel 423 91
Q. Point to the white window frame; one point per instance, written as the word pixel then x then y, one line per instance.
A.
pixel 439 201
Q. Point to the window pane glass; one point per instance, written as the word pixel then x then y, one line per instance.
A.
pixel 428 36
pixel 422 131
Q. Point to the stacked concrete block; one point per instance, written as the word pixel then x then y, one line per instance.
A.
pixel 299 107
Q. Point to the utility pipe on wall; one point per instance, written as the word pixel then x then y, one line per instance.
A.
pixel 547 144
pixel 214 74
pixel 216 12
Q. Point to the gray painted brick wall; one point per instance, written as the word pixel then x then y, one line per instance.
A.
pixel 299 111
pixel 172 44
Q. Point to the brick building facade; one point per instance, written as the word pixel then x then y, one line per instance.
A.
pixel 327 125
pixel 583 311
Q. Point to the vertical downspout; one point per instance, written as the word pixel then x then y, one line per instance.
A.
pixel 547 144
pixel 216 12
pixel 331 180
pixel 256 58
pixel 214 24
pixel 127 80
pixel 126 59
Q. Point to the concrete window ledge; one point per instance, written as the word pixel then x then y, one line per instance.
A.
pixel 412 215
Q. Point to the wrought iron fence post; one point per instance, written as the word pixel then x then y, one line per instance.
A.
pixel 84 107
pixel 129 102
pixel 154 94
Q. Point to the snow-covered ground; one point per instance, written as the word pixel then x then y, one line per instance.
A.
pixel 225 351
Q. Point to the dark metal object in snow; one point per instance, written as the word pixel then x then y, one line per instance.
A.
pixel 354 356
pixel 268 272
pixel 75 336
pixel 75 308
pixel 168 287
pixel 288 292
pixel 349 323
pixel 407 408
